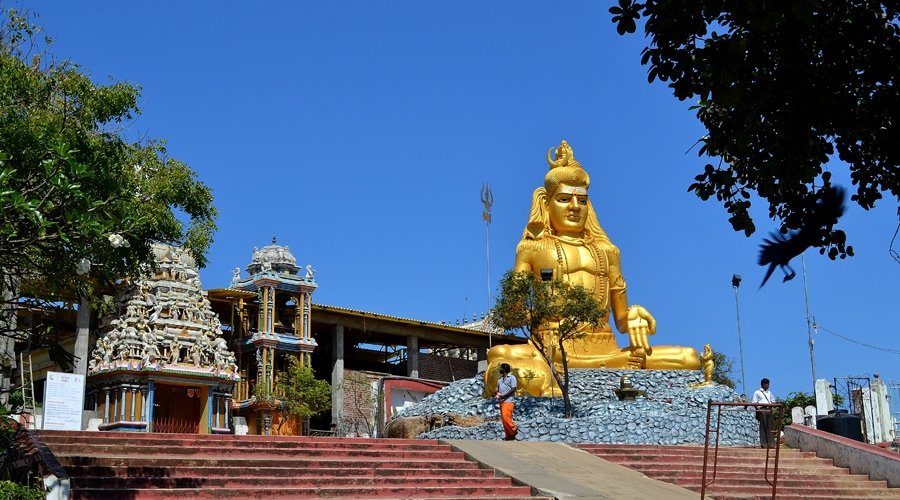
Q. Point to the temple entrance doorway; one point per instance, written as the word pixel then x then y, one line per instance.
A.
pixel 176 409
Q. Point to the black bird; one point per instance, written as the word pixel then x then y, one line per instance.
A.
pixel 780 249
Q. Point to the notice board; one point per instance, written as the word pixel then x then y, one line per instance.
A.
pixel 63 401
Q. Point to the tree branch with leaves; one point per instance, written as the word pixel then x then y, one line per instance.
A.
pixel 788 92
pixel 551 314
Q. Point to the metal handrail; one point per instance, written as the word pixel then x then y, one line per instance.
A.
pixel 776 430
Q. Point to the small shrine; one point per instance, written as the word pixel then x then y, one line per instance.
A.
pixel 161 364
pixel 267 316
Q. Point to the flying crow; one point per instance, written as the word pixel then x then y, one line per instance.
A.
pixel 780 249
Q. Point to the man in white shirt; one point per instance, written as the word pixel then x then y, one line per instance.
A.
pixel 764 415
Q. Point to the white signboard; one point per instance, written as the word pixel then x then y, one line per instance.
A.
pixel 63 401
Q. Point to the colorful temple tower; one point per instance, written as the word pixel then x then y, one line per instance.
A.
pixel 268 321
pixel 160 363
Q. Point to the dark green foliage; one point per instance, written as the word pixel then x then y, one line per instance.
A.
pixel 803 400
pixel 80 205
pixel 14 491
pixel 722 369
pixel 528 305
pixel 71 184
pixel 304 395
pixel 783 88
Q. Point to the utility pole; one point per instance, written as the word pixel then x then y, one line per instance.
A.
pixel 809 326
pixel 487 199
pixel 735 283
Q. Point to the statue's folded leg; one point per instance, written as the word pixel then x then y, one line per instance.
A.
pixel 673 357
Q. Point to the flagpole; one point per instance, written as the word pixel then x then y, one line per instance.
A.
pixel 487 199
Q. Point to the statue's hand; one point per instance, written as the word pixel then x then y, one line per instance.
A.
pixel 641 324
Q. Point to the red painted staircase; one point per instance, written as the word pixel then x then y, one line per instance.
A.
pixel 740 472
pixel 149 466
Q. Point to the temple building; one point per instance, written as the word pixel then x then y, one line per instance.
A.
pixel 267 315
pixel 168 356
pixel 160 363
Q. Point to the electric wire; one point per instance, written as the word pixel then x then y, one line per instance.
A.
pixel 891 250
pixel 848 339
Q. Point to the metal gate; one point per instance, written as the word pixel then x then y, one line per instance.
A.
pixel 851 389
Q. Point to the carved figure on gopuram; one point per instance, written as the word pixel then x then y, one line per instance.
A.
pixel 159 315
pixel 564 235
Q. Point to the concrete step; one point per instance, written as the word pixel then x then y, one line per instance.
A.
pixel 468 492
pixel 173 440
pixel 765 491
pixel 137 436
pixel 468 471
pixel 625 459
pixel 150 466
pixel 816 468
pixel 740 472
pixel 138 449
pixel 417 479
pixel 348 461
pixel 801 484
pixel 792 496
pixel 752 453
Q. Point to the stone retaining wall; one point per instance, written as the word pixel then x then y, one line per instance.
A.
pixel 673 412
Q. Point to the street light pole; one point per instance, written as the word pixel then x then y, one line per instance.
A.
pixel 735 283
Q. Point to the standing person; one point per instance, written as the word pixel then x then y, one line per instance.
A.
pixel 764 415
pixel 506 390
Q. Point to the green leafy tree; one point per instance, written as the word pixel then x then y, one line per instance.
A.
pixel 550 313
pixel 802 399
pixel 722 366
pixel 80 204
pixel 304 395
pixel 783 89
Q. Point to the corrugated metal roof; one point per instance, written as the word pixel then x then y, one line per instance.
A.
pixel 358 312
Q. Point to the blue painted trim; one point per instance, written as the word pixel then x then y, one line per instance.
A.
pixel 209 409
pixel 150 397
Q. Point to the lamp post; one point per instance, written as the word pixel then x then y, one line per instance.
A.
pixel 735 283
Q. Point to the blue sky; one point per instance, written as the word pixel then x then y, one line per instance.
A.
pixel 360 134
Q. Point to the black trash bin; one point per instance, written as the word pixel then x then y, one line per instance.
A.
pixel 841 423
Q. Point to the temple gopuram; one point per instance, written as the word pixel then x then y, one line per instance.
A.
pixel 267 316
pixel 160 363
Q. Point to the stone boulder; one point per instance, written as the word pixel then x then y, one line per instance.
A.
pixel 411 427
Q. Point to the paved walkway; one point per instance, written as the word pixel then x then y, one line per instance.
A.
pixel 560 471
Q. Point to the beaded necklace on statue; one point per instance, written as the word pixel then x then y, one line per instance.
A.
pixel 601 266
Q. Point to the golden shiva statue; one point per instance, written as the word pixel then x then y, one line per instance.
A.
pixel 563 235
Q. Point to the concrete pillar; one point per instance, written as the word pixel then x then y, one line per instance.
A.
pixel 412 359
pixel 227 412
pixel 337 375
pixel 133 416
pixel 122 404
pixel 106 407
pixel 824 397
pixel 144 404
pixel 82 335
pixel 481 356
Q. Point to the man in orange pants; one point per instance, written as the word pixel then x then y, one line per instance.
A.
pixel 506 390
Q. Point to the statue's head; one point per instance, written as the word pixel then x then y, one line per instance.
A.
pixel 562 205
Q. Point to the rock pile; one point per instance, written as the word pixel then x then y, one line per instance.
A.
pixel 673 412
